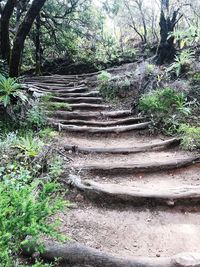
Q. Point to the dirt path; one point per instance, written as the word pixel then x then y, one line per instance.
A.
pixel 135 195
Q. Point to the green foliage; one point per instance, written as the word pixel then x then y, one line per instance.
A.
pixel 104 76
pixel 166 108
pixel 190 136
pixel 184 59
pixel 189 36
pixel 36 117
pixel 9 90
pixel 26 200
pixel 112 88
pixel 196 78
pixel 24 212
pixel 56 106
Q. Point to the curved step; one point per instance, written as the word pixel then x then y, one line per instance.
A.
pixel 81 106
pixel 114 129
pixel 76 253
pixel 125 150
pixel 66 115
pixel 138 195
pixel 94 100
pixel 87 94
pixel 126 121
pixel 136 167
pixel 64 91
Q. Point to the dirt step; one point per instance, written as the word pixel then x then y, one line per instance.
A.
pixel 87 94
pixel 82 106
pixel 64 91
pixel 134 232
pixel 94 100
pixel 125 121
pixel 138 195
pixel 135 163
pixel 125 150
pixel 108 129
pixel 66 115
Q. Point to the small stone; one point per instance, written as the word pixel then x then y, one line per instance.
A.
pixel 79 198
pixel 170 203
pixel 157 255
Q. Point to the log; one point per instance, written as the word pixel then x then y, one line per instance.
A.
pixel 109 129
pixel 49 89
pixel 76 253
pixel 97 123
pixel 90 115
pixel 87 94
pixel 125 150
pixel 136 167
pixel 95 100
pixel 83 106
pixel 138 195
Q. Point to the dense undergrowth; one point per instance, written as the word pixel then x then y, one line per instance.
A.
pixel 172 111
pixel 29 176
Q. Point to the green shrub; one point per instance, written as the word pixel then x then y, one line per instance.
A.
pixel 10 91
pixel 104 76
pixel 115 87
pixel 183 60
pixel 36 117
pixel 190 137
pixel 166 107
pixel 24 213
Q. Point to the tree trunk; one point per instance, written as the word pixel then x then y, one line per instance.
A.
pixel 4 30
pixel 21 35
pixel 38 46
pixel 166 50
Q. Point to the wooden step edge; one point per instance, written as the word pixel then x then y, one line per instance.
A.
pixel 125 150
pixel 143 167
pixel 87 115
pixel 88 99
pixel 76 253
pixel 137 195
pixel 80 122
pixel 114 129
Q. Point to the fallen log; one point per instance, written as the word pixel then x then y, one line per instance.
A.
pixel 90 114
pixel 125 150
pixel 95 100
pixel 125 121
pixel 138 195
pixel 111 129
pixel 76 253
pixel 80 106
pixel 139 167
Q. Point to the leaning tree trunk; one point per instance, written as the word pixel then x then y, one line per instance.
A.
pixel 21 35
pixel 166 50
pixel 4 30
pixel 38 46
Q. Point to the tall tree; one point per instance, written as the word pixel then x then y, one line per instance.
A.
pixel 168 20
pixel 6 14
pixel 21 35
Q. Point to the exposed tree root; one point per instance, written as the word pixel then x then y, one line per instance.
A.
pixel 137 195
pixel 125 150
pixel 94 100
pixel 75 253
pixel 114 129
pixel 136 167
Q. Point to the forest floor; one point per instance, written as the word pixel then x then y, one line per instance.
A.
pixel 134 194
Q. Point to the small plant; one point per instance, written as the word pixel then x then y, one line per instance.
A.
pixel 183 60
pixel 165 107
pixel 190 137
pixel 150 69
pixel 115 87
pixel 24 213
pixel 57 106
pixel 10 91
pixel 36 117
pixel 104 76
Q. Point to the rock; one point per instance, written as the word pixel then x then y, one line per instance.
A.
pixel 79 198
pixel 186 260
